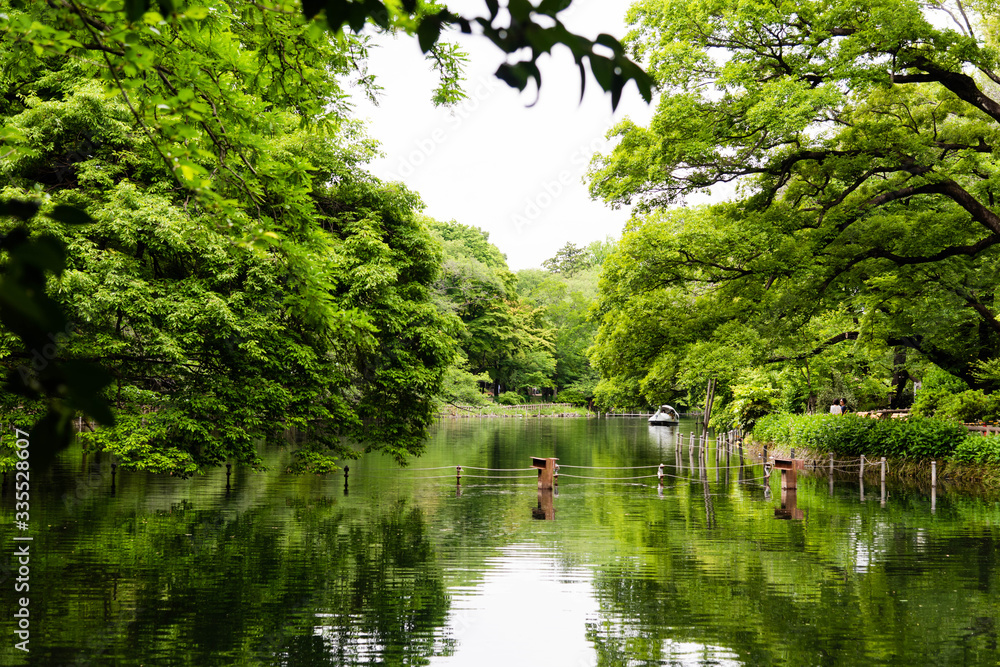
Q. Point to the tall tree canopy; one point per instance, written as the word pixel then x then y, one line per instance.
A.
pixel 861 142
pixel 201 83
pixel 503 337
pixel 566 293
pixel 243 275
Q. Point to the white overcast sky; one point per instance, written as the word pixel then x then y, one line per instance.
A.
pixel 494 162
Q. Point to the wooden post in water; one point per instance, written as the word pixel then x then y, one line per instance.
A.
pixel 458 475
pixel 882 484
pixel 546 508
pixel 789 472
pixel 831 474
pixel 546 471
pixel 933 487
pixel 347 471
pixel 861 472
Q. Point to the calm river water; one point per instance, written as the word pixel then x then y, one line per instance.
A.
pixel 402 568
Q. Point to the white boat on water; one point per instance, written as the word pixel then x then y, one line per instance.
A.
pixel 665 416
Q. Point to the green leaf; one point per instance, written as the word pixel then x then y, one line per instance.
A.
pixel 196 12
pixel 552 7
pixel 85 383
pixel 603 69
pixel 134 9
pixel 515 75
pixel 378 13
pixel 428 32
pixel 310 8
pixel 19 208
pixel 70 215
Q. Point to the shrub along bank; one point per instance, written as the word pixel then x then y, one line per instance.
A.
pixel 851 435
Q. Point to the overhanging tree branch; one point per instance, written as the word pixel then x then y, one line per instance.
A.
pixel 963 85
pixel 822 347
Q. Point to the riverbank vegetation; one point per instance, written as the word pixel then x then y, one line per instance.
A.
pixel 909 444
pixel 853 435
pixel 224 273
pixel 198 263
pixel 856 256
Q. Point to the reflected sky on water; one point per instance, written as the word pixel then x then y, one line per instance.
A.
pixel 406 568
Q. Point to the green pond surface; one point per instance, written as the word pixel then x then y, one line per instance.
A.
pixel 405 568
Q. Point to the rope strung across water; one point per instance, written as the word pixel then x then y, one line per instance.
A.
pixel 610 478
pixel 608 467
pixel 495 477
pixel 852 465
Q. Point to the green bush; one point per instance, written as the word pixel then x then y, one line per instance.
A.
pixel 968 406
pixel 938 386
pixel 572 396
pixel 975 448
pixel 753 397
pixel 927 401
pixel 852 435
pixel 510 398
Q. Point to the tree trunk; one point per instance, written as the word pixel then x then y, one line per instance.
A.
pixel 899 377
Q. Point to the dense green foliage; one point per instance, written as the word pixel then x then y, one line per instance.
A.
pixel 565 299
pixel 504 343
pixel 975 448
pixel 197 99
pixel 859 246
pixel 523 332
pixel 851 435
pixel 292 293
pixel 509 398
